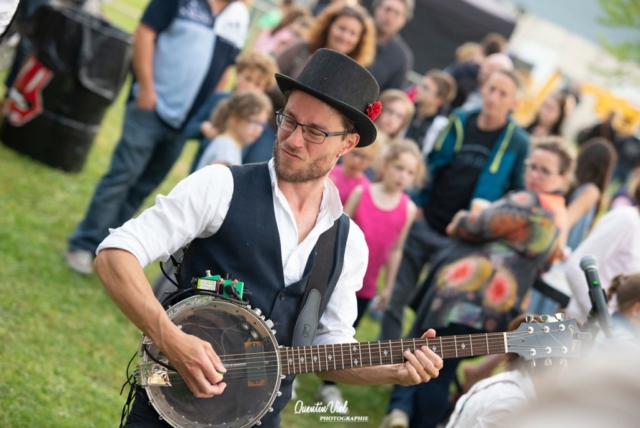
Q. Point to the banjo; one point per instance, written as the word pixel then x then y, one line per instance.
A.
pixel 256 364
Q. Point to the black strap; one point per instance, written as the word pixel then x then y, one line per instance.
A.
pixel 309 315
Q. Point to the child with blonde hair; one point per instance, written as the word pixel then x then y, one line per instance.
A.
pixel 397 110
pixel 239 120
pixel 255 71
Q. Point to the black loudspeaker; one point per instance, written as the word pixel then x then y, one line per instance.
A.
pixel 75 70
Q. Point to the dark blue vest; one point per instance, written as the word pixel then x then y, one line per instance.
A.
pixel 247 246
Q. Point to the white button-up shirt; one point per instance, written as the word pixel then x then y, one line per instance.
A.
pixel 197 207
pixel 489 401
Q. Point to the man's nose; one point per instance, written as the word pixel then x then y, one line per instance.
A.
pixel 295 138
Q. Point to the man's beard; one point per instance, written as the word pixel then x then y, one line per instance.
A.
pixel 318 169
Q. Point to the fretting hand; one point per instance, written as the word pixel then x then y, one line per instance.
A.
pixel 421 365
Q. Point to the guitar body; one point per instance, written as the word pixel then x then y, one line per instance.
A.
pixel 239 337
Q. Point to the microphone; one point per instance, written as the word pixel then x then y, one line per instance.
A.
pixel 598 298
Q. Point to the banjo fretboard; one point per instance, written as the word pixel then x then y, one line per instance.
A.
pixel 307 359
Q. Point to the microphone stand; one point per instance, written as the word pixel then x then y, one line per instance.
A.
pixel 593 325
pixel 590 326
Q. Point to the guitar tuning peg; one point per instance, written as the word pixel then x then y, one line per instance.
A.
pixel 546 318
pixel 528 319
pixel 257 311
pixel 548 362
pixel 560 316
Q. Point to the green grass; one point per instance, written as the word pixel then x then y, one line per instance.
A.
pixel 64 345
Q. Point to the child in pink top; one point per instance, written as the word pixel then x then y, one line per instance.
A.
pixel 385 213
pixel 350 173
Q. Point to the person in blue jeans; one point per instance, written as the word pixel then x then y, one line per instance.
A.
pixel 177 62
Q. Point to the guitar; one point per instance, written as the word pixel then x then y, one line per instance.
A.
pixel 255 363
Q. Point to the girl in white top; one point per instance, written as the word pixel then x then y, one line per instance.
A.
pixel 239 120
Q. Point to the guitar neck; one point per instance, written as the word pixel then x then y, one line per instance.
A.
pixel 308 359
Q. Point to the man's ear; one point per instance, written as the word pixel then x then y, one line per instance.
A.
pixel 350 142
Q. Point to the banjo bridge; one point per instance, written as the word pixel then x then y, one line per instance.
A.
pixel 256 364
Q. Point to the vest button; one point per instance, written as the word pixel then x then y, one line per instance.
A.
pixel 282 295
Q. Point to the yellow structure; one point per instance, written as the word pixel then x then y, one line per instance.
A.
pixel 626 116
pixel 533 98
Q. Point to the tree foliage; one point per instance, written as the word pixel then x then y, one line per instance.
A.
pixel 622 14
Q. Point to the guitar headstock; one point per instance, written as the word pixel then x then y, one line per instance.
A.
pixel 554 337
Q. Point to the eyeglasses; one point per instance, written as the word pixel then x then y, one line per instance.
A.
pixel 390 10
pixel 536 168
pixel 360 156
pixel 309 133
pixel 393 113
pixel 256 122
pixel 424 88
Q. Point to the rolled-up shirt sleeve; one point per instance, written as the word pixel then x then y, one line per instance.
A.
pixel 195 208
pixel 336 323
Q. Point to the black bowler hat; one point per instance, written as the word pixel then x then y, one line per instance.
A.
pixel 342 83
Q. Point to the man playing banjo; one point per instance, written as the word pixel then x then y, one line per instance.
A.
pixel 261 223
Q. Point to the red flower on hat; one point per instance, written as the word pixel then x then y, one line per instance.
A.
pixel 374 110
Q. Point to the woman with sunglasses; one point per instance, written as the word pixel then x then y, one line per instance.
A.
pixel 483 279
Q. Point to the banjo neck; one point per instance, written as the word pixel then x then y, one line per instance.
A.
pixel 318 358
pixel 553 338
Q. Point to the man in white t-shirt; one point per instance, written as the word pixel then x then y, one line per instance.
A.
pixel 233 23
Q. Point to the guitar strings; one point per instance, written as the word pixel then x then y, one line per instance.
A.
pixel 241 372
pixel 447 342
pixel 447 346
pixel 297 353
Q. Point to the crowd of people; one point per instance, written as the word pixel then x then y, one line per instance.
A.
pixel 455 210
